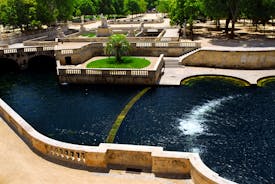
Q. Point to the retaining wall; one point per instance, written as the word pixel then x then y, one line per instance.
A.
pixel 169 49
pixel 107 156
pixel 232 58
pixel 110 76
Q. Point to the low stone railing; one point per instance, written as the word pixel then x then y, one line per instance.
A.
pixel 69 74
pixel 136 21
pixel 26 49
pixel 107 156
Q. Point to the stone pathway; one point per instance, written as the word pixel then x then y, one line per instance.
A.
pixel 19 165
pixel 173 76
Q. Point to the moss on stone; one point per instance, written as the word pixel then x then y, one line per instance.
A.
pixel 265 81
pixel 235 81
pixel 122 115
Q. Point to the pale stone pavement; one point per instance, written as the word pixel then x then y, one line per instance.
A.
pixel 173 76
pixel 19 165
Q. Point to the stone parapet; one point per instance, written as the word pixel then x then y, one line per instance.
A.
pixel 234 58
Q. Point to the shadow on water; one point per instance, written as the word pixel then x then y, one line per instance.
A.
pixel 42 64
pixel 8 65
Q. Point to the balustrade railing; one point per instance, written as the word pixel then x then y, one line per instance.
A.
pixel 10 51
pixel 66 154
pixel 30 49
pixel 67 51
pixel 105 72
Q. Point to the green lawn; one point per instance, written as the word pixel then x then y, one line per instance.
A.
pixel 89 35
pixel 128 62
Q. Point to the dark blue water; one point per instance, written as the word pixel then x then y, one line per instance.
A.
pixel 231 127
pixel 75 114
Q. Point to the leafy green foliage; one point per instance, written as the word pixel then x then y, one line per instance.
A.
pixel 117 46
pixel 135 6
pixel 163 6
pixel 185 11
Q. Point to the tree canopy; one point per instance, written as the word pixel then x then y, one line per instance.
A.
pixel 29 14
pixel 260 11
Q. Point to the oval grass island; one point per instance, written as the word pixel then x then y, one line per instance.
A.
pixel 127 62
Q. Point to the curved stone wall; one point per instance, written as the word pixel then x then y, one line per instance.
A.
pixel 106 156
pixel 235 58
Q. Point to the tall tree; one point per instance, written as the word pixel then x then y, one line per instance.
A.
pixel 84 7
pixel 119 9
pixel 229 9
pixel 47 12
pixel 163 6
pixel 132 6
pixel 65 9
pixel 185 11
pixel 215 10
pixel 152 4
pixel 106 7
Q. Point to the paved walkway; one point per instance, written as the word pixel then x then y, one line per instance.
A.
pixel 173 76
pixel 19 165
pixel 171 34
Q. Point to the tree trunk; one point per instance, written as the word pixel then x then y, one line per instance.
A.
pixel 191 32
pixel 233 29
pixel 227 25
pixel 118 56
pixel 218 24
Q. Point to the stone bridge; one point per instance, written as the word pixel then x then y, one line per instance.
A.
pixel 22 56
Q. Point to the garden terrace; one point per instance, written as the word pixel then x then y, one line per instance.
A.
pixel 78 74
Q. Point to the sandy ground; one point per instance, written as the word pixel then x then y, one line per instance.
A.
pixel 246 35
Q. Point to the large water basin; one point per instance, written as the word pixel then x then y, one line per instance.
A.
pixel 231 127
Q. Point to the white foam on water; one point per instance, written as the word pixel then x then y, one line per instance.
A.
pixel 193 122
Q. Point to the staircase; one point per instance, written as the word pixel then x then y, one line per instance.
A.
pixel 172 62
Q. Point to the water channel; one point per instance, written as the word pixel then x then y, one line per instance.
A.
pixel 231 127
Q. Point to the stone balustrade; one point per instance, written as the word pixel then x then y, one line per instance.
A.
pixel 114 156
pixel 26 49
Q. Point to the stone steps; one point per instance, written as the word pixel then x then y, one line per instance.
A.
pixel 171 62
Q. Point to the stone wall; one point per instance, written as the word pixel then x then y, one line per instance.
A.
pixel 107 156
pixel 235 59
pixel 80 55
pixel 169 49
